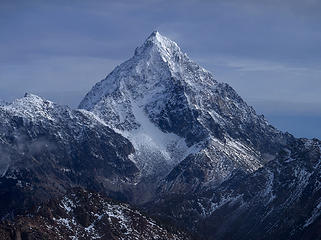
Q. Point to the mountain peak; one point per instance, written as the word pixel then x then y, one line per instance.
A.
pixel 154 34
pixel 31 99
pixel 157 68
pixel 159 43
pixel 30 105
pixel 31 95
pixel 156 37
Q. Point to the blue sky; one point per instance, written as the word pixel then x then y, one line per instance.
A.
pixel 268 50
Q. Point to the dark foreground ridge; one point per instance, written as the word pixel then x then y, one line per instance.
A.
pixel 86 215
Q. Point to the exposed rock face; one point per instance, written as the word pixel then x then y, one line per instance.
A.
pixel 86 215
pixel 279 201
pixel 46 148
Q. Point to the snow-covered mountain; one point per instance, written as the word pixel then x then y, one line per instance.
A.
pixel 177 116
pixel 161 133
pixel 46 148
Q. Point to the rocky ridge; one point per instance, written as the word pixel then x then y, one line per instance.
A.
pixel 47 148
pixel 279 201
pixel 82 215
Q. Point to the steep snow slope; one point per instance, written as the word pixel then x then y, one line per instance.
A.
pixel 172 109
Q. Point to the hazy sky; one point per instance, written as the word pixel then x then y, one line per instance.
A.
pixel 268 50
